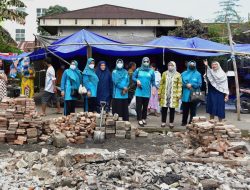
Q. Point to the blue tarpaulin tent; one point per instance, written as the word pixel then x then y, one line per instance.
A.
pixel 245 48
pixel 76 45
pixel 183 45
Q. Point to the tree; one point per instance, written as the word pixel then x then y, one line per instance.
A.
pixel 190 28
pixel 7 44
pixel 57 9
pixel 12 10
pixel 229 11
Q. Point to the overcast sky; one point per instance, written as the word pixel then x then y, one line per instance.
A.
pixel 198 9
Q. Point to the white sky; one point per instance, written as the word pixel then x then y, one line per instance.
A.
pixel 198 9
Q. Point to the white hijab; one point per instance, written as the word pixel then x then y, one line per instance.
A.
pixel 218 79
pixel 171 73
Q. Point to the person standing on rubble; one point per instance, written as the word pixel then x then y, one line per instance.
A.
pixel 120 80
pixel 90 81
pixel 218 90
pixel 144 77
pixel 170 93
pixel 191 81
pixel 105 86
pixel 71 80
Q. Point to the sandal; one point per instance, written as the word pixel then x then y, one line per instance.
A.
pixel 43 115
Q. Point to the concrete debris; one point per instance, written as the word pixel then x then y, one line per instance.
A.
pixel 74 168
pixel 213 139
pixel 21 124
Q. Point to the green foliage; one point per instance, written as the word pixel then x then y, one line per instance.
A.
pixel 12 10
pixel 57 9
pixel 218 33
pixel 6 48
pixel 7 44
pixel 229 11
pixel 190 28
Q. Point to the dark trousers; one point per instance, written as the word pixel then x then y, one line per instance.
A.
pixel 120 106
pixel 69 107
pixel 164 113
pixel 141 108
pixel 188 107
pixel 91 104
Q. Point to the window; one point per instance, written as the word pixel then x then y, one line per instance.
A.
pixel 125 21
pixel 92 21
pixel 40 12
pixel 60 21
pixel 20 35
pixel 108 21
pixel 159 21
pixel 141 21
pixel 175 22
pixel 75 21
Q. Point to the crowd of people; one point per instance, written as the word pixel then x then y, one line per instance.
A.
pixel 152 92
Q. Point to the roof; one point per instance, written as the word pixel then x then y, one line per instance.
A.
pixel 107 11
pixel 26 46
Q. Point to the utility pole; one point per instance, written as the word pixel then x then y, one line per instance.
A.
pixel 235 69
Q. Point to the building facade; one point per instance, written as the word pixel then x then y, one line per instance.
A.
pixel 119 23
pixel 34 9
pixel 115 22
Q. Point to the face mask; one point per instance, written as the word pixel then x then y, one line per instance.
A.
pixel 119 65
pixel 146 64
pixel 91 66
pixel 73 67
pixel 170 68
pixel 191 67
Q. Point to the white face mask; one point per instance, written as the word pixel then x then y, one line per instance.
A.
pixel 73 67
pixel 91 66
pixel 146 64
pixel 119 65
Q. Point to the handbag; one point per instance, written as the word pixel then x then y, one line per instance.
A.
pixel 197 96
pixel 74 92
pixel 82 89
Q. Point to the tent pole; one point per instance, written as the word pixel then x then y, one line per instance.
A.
pixel 163 56
pixel 89 51
pixel 235 69
pixel 47 49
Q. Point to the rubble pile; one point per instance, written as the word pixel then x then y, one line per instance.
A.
pixel 77 127
pixel 72 169
pixel 215 138
pixel 20 123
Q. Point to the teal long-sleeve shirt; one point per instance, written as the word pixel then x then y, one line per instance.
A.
pixel 147 79
pixel 119 85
